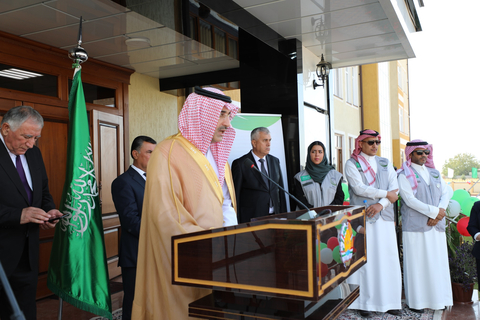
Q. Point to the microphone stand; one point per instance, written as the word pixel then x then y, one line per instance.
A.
pixel 311 214
pixel 17 313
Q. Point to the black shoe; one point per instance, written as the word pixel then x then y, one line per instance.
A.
pixel 395 312
pixel 365 314
pixel 417 310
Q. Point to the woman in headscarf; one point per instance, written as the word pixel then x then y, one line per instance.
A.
pixel 319 184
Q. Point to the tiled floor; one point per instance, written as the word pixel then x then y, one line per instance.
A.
pixel 463 311
pixel 47 309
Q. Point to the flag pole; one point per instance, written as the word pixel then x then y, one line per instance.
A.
pixel 60 308
pixel 79 56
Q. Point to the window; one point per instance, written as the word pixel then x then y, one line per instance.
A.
pixel 220 41
pixel 400 119
pixel 338 141
pixel 194 27
pixel 348 89
pixel 402 79
pixel 206 34
pixel 351 145
pixel 223 39
pixel 214 37
pixel 232 48
pixel 97 95
pixel 338 83
pixel 13 78
pixel 355 81
pixel 351 79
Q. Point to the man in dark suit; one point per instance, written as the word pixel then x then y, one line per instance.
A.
pixel 474 229
pixel 127 193
pixel 25 204
pixel 256 196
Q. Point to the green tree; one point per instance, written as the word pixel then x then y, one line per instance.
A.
pixel 462 163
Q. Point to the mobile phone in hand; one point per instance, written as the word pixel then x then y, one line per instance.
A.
pixel 56 218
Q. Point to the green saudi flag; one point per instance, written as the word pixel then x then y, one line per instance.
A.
pixel 78 268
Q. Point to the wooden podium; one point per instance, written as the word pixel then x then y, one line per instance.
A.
pixel 276 267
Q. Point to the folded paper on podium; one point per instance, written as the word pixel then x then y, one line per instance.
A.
pixel 276 267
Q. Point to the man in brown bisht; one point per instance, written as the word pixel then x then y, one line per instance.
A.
pixel 189 188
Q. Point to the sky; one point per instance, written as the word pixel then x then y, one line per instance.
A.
pixel 444 79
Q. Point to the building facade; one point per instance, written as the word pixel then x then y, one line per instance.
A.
pixel 386 106
pixel 146 56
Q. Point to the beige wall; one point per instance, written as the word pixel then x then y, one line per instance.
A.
pixel 152 113
pixel 347 119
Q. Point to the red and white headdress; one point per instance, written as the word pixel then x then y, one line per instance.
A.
pixel 198 121
pixel 367 169
pixel 411 146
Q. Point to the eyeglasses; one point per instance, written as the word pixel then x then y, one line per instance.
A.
pixel 421 152
pixel 371 142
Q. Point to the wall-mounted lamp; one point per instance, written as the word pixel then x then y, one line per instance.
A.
pixel 323 69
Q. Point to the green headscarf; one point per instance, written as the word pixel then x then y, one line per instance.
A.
pixel 318 171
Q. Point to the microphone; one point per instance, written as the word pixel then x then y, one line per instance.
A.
pixel 310 213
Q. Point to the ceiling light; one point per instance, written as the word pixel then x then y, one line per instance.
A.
pixel 18 74
pixel 138 43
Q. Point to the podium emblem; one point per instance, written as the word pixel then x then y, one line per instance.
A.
pixel 345 239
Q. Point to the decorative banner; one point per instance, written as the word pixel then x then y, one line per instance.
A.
pixel 450 173
pixel 474 173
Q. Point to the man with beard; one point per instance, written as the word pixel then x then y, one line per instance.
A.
pixel 189 188
pixel 424 197
pixel 372 182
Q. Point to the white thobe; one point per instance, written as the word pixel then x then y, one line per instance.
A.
pixel 355 182
pixel 425 257
pixel 229 214
pixel 380 280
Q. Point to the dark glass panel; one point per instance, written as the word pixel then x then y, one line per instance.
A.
pixel 220 41
pixel 232 48
pixel 205 34
pixel 193 28
pixel 28 81
pixel 97 95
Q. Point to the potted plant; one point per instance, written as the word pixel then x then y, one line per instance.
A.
pixel 463 272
